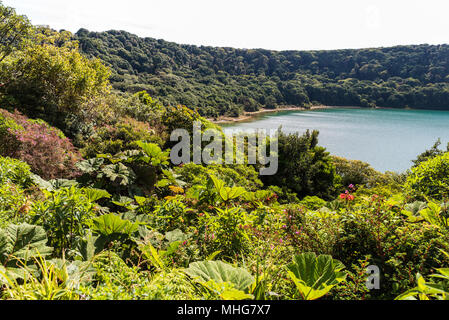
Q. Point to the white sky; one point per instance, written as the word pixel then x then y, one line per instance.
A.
pixel 269 24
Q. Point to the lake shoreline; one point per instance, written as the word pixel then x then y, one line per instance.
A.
pixel 247 116
pixel 251 116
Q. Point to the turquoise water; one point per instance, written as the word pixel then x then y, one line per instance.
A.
pixel 385 138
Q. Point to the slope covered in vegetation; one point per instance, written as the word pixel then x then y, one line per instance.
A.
pixel 227 81
pixel 92 208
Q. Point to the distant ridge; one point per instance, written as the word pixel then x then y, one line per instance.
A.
pixel 227 81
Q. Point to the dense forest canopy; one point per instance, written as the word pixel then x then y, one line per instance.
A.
pixel 228 81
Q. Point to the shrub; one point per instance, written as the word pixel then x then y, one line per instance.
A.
pixel 48 152
pixel 226 231
pixel 304 167
pixel 430 153
pixel 141 106
pixel 14 171
pixel 119 137
pixel 430 178
pixel 13 204
pixel 182 117
pixel 398 248
pixel 308 231
pixel 172 214
pixel 64 214
pixel 313 203
pixel 284 194
pixel 115 280
pixel 355 172
pixel 50 79
pixel 241 175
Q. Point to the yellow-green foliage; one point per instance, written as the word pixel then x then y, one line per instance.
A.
pixel 430 178
pixel 119 137
pixel 355 172
pixel 245 176
pixel 51 79
pixel 14 171
pixel 182 117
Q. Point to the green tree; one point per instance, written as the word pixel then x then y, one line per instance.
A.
pixel 430 178
pixel 53 81
pixel 14 30
pixel 430 153
pixel 355 172
pixel 304 167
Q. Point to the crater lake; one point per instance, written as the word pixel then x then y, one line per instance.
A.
pixel 388 139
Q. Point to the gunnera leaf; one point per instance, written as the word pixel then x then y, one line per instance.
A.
pixel 220 272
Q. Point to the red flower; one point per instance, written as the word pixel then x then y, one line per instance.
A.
pixel 346 196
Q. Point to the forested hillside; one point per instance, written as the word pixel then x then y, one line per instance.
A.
pixel 227 81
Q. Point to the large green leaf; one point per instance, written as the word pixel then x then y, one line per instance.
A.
pixel 227 193
pixel 226 291
pixel 110 224
pixel 259 195
pixel 315 276
pixel 176 235
pixel 91 245
pixel 91 165
pixel 73 273
pixel 19 244
pixel 41 183
pixel 221 272
pixel 415 207
pixel 119 173
pixel 96 194
pixel 428 290
pixel 155 155
pixel 22 242
pixel 53 185
pixel 433 214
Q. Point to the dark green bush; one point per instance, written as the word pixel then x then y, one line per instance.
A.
pixel 304 167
